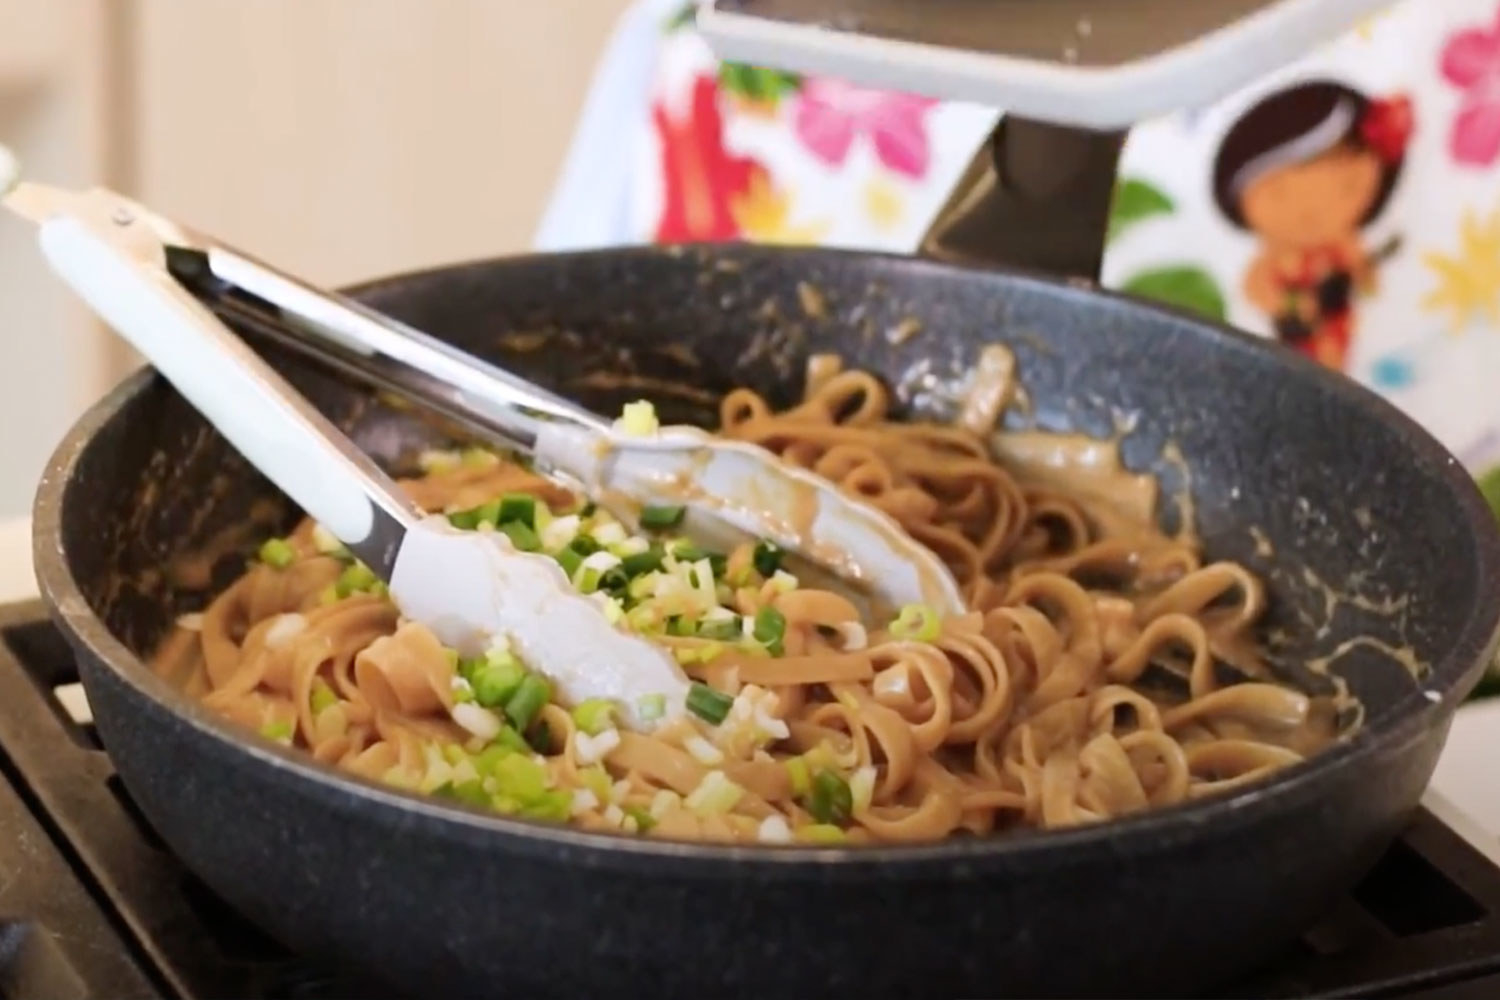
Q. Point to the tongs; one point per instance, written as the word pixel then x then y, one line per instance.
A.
pixel 469 587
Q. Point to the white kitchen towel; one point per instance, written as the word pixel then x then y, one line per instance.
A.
pixel 1348 203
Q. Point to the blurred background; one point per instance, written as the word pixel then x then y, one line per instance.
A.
pixel 342 138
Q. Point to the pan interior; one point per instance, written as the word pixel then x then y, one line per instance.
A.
pixel 1372 544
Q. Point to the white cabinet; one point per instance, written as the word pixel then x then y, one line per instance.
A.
pixel 343 138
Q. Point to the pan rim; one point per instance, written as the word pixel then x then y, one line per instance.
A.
pixel 1152 832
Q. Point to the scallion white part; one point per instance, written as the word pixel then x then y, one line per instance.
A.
pixel 774 830
pixel 592 749
pixel 610 533
pixel 862 787
pixel 703 751
pixel 853 636
pixel 559 532
pixel 477 719
pixel 714 794
pixel 664 802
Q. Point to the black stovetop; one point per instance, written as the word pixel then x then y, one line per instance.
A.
pixel 93 905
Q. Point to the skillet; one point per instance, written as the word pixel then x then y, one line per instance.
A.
pixel 1380 556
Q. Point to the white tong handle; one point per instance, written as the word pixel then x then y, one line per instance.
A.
pixel 115 263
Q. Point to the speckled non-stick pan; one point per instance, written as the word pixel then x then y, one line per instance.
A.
pixel 1381 556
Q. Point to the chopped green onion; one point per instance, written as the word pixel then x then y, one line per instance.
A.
pixel 596 780
pixel 486 759
pixel 555 805
pixel 767 558
pixel 464 520
pixel 830 800
pixel 496 680
pixel 512 740
pixel 522 536
pixel 594 715
pixel 769 629
pixel 614 578
pixel 721 628
pixel 471 792
pixel 569 558
pixel 707 704
pixel 527 700
pixel 489 511
pixel 688 552
pixel 437 460
pixel 539 737
pixel 281 731
pixel 518 507
pixel 643 562
pixel 796 769
pixel 822 833
pixel 638 419
pixel 660 518
pixel 643 819
pixel 519 777
pixel 679 625
pixel 356 578
pixel 478 457
pixel 588 508
pixel 714 794
pixel 585 545
pixel 917 621
pixel 651 707
pixel 323 696
pixel 277 553
pixel 614 611
pixel 862 787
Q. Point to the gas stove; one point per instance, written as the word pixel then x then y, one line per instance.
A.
pixel 93 904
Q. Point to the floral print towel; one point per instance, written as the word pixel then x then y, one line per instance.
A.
pixel 1348 204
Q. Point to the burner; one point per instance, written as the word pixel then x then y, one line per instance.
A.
pixel 94 905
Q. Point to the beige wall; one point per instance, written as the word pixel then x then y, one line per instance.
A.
pixel 352 137
pixel 343 138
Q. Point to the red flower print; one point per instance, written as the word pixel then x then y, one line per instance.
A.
pixel 831 113
pixel 1471 61
pixel 1387 127
pixel 700 178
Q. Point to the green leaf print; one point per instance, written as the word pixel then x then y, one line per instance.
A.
pixel 1489 485
pixel 1185 287
pixel 1136 200
pixel 683 17
pixel 757 85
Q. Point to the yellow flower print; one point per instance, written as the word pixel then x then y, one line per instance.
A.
pixel 883 204
pixel 763 213
pixel 1468 282
pixel 1366 26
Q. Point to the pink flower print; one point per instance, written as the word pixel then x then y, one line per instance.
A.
pixel 831 114
pixel 1471 61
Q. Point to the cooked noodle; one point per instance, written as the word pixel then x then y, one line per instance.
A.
pixel 1102 670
